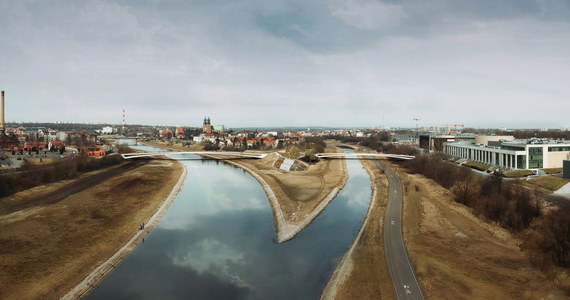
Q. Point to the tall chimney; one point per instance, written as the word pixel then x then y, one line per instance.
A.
pixel 2 126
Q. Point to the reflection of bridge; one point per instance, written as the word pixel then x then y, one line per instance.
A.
pixel 262 155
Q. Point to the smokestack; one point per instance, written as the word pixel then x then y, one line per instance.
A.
pixel 2 125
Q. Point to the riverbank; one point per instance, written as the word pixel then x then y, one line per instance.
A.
pixel 102 270
pixel 457 255
pixel 362 272
pixel 47 250
pixel 297 197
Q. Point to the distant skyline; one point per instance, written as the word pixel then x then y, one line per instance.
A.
pixel 277 63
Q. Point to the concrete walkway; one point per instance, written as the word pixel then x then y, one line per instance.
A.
pixel 564 191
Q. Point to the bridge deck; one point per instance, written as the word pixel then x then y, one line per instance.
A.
pixel 358 155
pixel 166 153
pixel 262 155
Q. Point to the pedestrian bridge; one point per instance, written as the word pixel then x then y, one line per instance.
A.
pixel 262 154
pixel 168 153
pixel 362 155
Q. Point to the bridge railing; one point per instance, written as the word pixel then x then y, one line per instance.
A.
pixel 358 155
pixel 263 154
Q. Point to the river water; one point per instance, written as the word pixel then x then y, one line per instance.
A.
pixel 217 242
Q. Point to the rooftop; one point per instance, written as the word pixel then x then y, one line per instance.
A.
pixel 536 141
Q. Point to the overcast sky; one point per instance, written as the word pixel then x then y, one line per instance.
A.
pixel 484 63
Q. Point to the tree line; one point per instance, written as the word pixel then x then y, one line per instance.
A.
pixel 34 175
pixel 545 233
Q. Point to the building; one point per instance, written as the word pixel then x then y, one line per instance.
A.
pixel 166 133
pixel 8 141
pixel 513 154
pixel 180 132
pixel 108 130
pixel 208 128
pixel 436 142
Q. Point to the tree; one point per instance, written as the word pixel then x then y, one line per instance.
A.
pixel 310 156
pixel 294 152
pixel 465 187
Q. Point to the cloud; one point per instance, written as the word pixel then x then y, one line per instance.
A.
pixel 367 14
pixel 258 63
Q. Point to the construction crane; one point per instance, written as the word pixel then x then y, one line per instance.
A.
pixel 417 122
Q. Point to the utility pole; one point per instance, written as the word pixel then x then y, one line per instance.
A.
pixel 123 121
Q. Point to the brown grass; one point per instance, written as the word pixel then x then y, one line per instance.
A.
pixel 549 183
pixel 458 256
pixel 369 276
pixel 552 170
pixel 518 173
pixel 476 165
pixel 300 192
pixel 41 160
pixel 47 250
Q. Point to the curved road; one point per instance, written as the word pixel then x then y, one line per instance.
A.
pixel 405 283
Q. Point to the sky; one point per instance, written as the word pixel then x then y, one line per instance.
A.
pixel 263 63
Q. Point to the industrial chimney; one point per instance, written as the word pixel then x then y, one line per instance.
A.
pixel 2 125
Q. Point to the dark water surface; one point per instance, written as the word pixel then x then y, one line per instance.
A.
pixel 217 242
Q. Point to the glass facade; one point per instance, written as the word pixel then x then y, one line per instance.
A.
pixel 521 161
pixel 512 148
pixel 558 149
pixel 535 157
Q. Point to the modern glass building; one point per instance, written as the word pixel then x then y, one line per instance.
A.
pixel 514 154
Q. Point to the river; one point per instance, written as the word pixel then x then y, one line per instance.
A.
pixel 217 241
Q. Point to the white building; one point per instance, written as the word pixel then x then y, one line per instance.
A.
pixel 108 130
pixel 515 154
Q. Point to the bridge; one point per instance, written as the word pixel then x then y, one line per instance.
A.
pixel 168 153
pixel 362 155
pixel 262 154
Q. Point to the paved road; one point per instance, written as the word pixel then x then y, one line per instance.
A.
pixel 405 283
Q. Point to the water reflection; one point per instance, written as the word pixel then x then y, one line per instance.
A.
pixel 216 242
